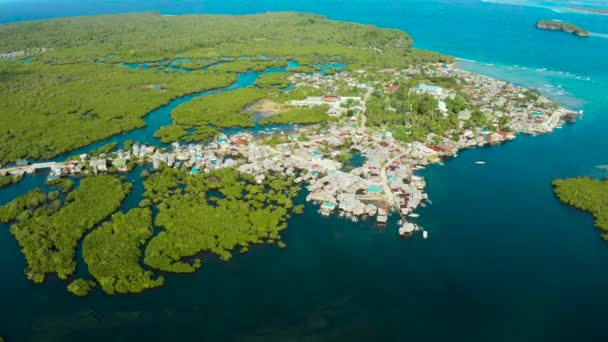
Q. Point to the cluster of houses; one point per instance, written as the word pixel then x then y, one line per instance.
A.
pixel 17 54
pixel 384 182
pixel 527 113
pixel 338 105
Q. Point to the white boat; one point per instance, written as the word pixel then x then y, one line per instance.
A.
pixel 480 162
pixel 414 215
pixel 425 234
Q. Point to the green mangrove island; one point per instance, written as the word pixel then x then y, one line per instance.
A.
pixel 586 194
pixel 556 25
pixel 49 229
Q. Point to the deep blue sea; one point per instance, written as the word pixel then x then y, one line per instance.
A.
pixel 505 261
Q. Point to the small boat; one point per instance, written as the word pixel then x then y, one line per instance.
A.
pixel 429 201
pixel 414 215
pixel 425 234
pixel 480 162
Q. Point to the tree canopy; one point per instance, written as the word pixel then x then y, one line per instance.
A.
pixel 49 231
pixel 113 252
pixel 586 194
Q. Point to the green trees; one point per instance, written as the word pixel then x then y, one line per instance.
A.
pixel 64 90
pixel 478 119
pixel 65 184
pixel 456 105
pixel 410 116
pixel 586 194
pixel 8 180
pixel 195 219
pixel 21 205
pixel 222 110
pixel 48 237
pixel 197 64
pixel 107 148
pixel 81 287
pixel 42 103
pixel 170 133
pixel 311 115
pixel 240 66
pixel 278 80
pixel 113 252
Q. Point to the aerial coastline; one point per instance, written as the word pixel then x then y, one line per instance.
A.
pixel 399 114
pixel 493 218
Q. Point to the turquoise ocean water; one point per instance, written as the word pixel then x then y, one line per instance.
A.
pixel 505 261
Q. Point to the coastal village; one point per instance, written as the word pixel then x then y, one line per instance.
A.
pixel 384 182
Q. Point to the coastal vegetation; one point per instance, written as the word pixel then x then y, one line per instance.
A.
pixel 277 80
pixel 8 180
pixel 48 230
pixel 65 184
pixel 225 210
pixel 197 64
pixel 113 252
pixel 311 115
pixel 556 25
pixel 170 133
pixel 49 109
pixel 241 66
pixel 221 110
pixel 107 148
pixel 586 194
pixel 22 205
pixel 201 134
pixel 81 287
pixel 63 99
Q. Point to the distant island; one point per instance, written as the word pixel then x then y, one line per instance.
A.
pixel 556 25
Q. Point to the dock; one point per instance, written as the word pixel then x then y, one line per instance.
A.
pixel 30 168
